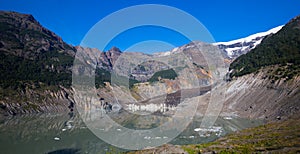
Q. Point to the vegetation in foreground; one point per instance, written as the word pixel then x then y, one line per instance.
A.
pixel 277 137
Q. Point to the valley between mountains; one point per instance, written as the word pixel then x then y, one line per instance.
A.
pixel 259 75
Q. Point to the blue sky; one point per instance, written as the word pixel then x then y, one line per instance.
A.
pixel 225 19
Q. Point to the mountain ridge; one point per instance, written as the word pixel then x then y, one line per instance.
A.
pixel 49 64
pixel 281 49
pixel 35 67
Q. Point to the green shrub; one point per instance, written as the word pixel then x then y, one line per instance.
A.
pixel 164 74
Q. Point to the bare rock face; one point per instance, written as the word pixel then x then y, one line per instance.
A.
pixel 257 96
pixel 104 60
pixel 113 54
pixel 36 101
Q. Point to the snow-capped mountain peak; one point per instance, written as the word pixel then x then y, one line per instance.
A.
pixel 241 46
pixel 231 49
pixel 251 37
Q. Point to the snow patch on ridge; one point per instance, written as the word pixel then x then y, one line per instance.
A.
pixel 251 37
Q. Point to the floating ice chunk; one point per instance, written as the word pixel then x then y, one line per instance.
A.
pixel 56 138
pixel 211 129
pixel 147 137
pixel 191 136
pixel 197 129
pixel 204 135
pixel 228 118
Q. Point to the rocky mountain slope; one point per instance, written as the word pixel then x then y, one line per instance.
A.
pixel 29 52
pixel 265 85
pixel 257 96
pixel 270 91
pixel 265 82
pixel 35 66
pixel 104 60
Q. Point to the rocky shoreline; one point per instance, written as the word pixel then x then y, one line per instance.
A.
pixel 37 101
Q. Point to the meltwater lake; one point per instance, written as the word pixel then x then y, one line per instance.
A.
pixel 67 133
